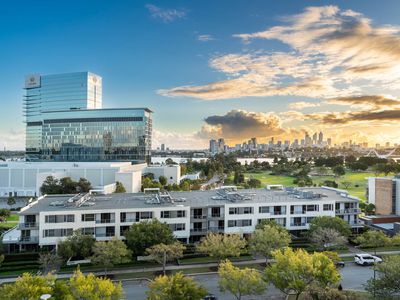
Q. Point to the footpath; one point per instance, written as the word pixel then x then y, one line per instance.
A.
pixel 183 267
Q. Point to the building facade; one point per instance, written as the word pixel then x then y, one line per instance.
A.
pixel 65 121
pixel 384 193
pixel 190 215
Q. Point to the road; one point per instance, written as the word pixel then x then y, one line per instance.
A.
pixel 353 277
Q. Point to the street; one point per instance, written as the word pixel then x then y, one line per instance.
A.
pixel 353 277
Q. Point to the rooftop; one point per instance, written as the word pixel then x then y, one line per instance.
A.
pixel 193 199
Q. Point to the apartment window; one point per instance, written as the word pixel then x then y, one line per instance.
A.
pixel 263 209
pixel 88 231
pixel 240 210
pixel 110 231
pixel 310 207
pixel 57 232
pixel 215 212
pixel 247 210
pixel 59 219
pixel 239 223
pixel 144 215
pixel 233 210
pixel 180 214
pixel 231 223
pixel 88 218
pixel 328 207
pixel 246 223
pixel 166 214
pixel 177 227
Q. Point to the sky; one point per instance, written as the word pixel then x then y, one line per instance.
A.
pixel 210 69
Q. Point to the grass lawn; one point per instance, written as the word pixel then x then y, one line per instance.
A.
pixel 12 220
pixel 362 295
pixel 357 179
pixel 207 259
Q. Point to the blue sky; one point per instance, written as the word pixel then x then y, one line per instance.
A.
pixel 159 54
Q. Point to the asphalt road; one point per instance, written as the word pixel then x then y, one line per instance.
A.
pixel 353 277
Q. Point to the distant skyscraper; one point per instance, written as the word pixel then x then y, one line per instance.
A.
pixel 221 145
pixel 315 138
pixel 320 138
pixel 329 140
pixel 162 147
pixel 213 147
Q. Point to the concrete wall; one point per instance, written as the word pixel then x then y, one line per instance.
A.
pixel 171 172
pixel 383 196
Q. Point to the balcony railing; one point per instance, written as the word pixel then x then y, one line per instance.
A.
pixel 298 224
pixel 348 211
pixel 277 213
pixel 103 221
pixel 198 230
pixel 29 239
pixel 29 225
pixel 128 220
pixel 198 217
pixel 216 229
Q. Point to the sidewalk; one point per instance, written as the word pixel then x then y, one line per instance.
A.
pixel 182 267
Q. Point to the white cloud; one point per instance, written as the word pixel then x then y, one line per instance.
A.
pixel 333 53
pixel 302 104
pixel 166 15
pixel 205 38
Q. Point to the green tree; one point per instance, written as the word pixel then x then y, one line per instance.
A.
pixel 324 238
pixel 49 262
pixel 83 185
pixel 267 239
pixel 68 186
pixel 339 171
pixel 221 246
pixel 346 184
pixel 119 187
pixel 4 214
pixel 29 287
pixel 76 245
pixel 295 271
pixel 89 287
pixel 163 253
pixel 254 183
pixel 50 186
pixel 269 222
pixel 1 259
pixel 387 283
pixel 143 235
pixel 336 223
pixel 240 282
pixel 110 253
pixel 11 201
pixel 373 239
pixel 162 180
pixel 175 287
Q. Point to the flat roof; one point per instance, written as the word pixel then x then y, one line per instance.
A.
pixel 97 109
pixel 184 199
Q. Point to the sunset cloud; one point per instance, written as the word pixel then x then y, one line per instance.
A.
pixel 366 101
pixel 302 104
pixel 333 53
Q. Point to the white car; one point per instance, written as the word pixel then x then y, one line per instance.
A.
pixel 366 259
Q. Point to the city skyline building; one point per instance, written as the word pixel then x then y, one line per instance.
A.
pixel 65 121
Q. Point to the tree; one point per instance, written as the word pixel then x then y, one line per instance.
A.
pixel 143 235
pixel 346 184
pixel 1 259
pixel 267 239
pixel 11 201
pixel 50 186
pixel 162 253
pixel 4 214
pixel 327 237
pixel 295 271
pixel 396 240
pixel 119 187
pixel 221 246
pixel 387 285
pixel 29 287
pixel 240 282
pixel 373 239
pixel 76 245
pixel 370 209
pixel 336 223
pixel 84 186
pixel 328 293
pixel 162 180
pixel 339 171
pixel 330 183
pixel 269 222
pixel 110 253
pixel 170 161
pixel 175 287
pixel 254 183
pixel 49 262
pixel 238 177
pixel 68 186
pixel 88 287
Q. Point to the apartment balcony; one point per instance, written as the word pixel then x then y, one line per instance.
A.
pixel 105 221
pixel 216 229
pixel 104 235
pixel 30 225
pixel 348 211
pixel 215 216
pixel 198 217
pixel 277 213
pixel 298 224
pixel 128 220
pixel 29 239
pixel 198 231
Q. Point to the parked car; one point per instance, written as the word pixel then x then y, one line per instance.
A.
pixel 366 259
pixel 210 297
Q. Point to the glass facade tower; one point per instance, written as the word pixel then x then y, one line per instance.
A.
pixel 65 122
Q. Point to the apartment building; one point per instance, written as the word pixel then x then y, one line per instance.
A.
pixel 190 215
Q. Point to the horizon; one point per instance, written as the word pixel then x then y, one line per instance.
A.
pixel 262 70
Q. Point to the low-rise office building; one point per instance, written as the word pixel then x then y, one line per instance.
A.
pixel 384 193
pixel 190 215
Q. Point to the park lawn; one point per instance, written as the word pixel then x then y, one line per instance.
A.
pixel 357 188
pixel 12 221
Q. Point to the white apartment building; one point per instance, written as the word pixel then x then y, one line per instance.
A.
pixel 189 214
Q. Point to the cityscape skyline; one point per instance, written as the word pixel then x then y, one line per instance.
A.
pixel 271 74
